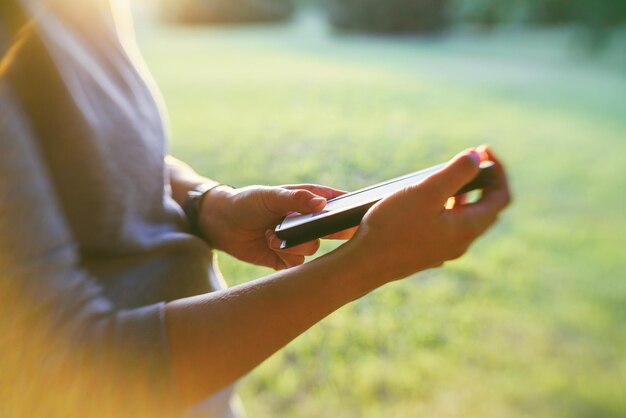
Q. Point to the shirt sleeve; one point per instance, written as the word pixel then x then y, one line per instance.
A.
pixel 57 326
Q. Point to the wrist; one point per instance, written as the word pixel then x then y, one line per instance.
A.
pixel 199 198
pixel 213 209
pixel 379 262
pixel 355 267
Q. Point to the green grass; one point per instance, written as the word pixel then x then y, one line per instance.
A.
pixel 531 322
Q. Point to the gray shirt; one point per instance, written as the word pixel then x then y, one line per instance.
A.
pixel 91 242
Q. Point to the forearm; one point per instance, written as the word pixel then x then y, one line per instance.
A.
pixel 218 337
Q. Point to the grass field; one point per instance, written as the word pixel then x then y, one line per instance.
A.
pixel 532 321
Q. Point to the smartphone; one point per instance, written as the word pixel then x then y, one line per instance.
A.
pixel 347 210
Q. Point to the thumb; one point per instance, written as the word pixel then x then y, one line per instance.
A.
pixel 449 180
pixel 281 201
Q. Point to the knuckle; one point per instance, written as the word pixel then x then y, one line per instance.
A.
pixel 427 191
pixel 266 199
pixel 297 194
pixel 406 192
pixel 300 196
pixel 464 166
pixel 466 163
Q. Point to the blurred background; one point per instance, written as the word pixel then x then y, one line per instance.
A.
pixel 531 322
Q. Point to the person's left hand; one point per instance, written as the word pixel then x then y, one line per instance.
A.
pixel 241 222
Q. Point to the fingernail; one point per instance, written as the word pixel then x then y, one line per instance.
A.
pixel 475 156
pixel 316 202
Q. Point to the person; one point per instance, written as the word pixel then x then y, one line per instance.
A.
pixel 109 304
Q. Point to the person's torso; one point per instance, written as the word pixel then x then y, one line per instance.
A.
pixel 102 139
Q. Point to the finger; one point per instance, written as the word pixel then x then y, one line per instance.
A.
pixel 501 183
pixel 474 219
pixel 280 201
pixel 277 263
pixel 438 187
pixel 324 191
pixel 498 177
pixel 307 248
pixel 471 221
pixel 289 260
pixel 496 196
pixel 462 199
pixel 345 234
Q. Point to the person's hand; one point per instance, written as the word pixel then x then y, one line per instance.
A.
pixel 241 221
pixel 414 229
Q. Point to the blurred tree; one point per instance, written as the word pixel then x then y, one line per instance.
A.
pixel 598 17
pixel 388 15
pixel 596 13
pixel 225 11
pixel 554 11
pixel 600 13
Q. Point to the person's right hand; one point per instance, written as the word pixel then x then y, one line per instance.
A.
pixel 411 230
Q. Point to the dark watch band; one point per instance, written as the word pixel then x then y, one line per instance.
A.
pixel 192 205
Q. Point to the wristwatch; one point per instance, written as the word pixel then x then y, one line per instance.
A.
pixel 191 207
